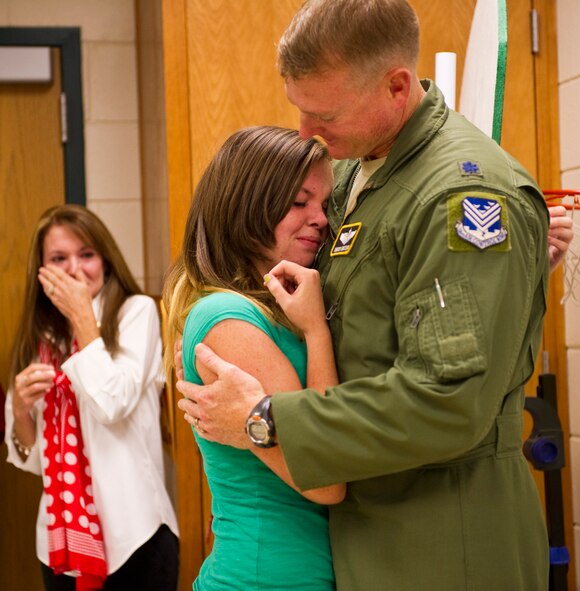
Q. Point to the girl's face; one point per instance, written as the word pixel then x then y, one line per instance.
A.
pixel 304 228
pixel 63 248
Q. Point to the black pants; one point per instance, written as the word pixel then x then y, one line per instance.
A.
pixel 153 567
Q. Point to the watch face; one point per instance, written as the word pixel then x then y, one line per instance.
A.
pixel 260 426
pixel 258 429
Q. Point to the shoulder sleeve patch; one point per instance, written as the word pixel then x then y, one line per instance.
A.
pixel 478 221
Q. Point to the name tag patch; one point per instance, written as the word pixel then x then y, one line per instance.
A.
pixel 345 239
pixel 478 221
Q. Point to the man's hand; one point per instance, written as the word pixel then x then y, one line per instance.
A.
pixel 178 358
pixel 560 235
pixel 218 411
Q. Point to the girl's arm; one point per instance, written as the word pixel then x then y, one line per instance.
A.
pixel 249 348
pixel 297 290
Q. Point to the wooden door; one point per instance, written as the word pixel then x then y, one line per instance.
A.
pixel 220 75
pixel 31 180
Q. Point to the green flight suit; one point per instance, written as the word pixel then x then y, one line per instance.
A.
pixel 426 423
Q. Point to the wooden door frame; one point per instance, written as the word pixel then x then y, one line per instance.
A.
pixel 68 40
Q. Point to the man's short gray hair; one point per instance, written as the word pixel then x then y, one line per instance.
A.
pixel 368 35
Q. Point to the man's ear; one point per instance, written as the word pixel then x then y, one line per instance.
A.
pixel 398 86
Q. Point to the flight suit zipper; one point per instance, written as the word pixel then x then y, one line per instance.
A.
pixel 334 306
pixel 416 317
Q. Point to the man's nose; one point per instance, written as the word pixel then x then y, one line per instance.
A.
pixel 307 127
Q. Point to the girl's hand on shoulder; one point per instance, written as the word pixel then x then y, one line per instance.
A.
pixel 298 292
pixel 560 234
pixel 30 384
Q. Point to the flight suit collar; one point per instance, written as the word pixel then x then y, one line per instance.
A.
pixel 419 130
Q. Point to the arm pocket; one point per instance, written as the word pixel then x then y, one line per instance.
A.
pixel 442 342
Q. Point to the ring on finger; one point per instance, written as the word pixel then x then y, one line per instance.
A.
pixel 50 289
pixel 196 425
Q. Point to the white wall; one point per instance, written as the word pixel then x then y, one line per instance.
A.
pixel 109 77
pixel 568 13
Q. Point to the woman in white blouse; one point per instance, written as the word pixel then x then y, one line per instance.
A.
pixel 83 412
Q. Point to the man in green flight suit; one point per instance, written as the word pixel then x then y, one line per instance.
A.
pixel 435 282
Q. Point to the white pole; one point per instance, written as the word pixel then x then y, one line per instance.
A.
pixel 445 75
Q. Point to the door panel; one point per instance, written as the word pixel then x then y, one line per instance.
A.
pixel 31 180
pixel 451 33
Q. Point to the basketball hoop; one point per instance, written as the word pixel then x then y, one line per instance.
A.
pixel 559 195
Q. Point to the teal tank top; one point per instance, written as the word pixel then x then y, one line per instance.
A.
pixel 266 535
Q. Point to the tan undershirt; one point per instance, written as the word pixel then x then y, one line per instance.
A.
pixel 364 173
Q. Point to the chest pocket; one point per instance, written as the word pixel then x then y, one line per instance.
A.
pixel 441 343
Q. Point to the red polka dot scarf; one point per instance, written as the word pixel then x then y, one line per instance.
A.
pixel 75 538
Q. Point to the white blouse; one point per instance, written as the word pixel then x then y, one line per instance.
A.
pixel 119 407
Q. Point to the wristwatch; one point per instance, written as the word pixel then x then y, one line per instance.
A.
pixel 260 425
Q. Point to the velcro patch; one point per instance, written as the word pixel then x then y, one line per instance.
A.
pixel 345 239
pixel 470 168
pixel 478 221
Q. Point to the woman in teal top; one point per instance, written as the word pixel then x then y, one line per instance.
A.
pixel 257 518
pixel 261 200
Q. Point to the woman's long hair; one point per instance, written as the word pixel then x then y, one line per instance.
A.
pixel 245 192
pixel 41 320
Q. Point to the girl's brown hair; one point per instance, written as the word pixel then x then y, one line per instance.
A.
pixel 41 320
pixel 244 193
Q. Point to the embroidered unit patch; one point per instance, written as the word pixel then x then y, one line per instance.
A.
pixel 477 220
pixel 470 168
pixel 345 239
